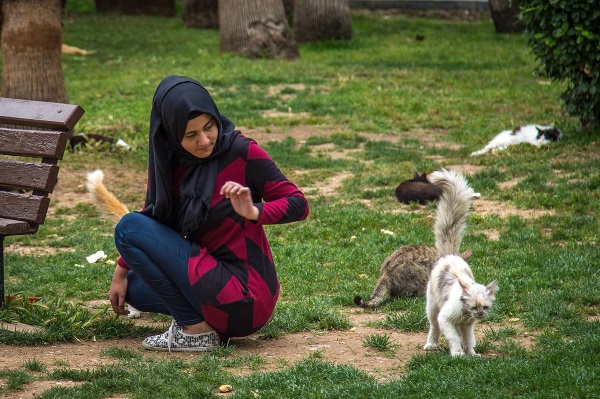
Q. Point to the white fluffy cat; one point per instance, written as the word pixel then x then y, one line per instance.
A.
pixel 454 300
pixel 533 134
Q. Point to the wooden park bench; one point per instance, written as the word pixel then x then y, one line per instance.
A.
pixel 33 138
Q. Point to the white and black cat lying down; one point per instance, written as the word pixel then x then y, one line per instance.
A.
pixel 536 135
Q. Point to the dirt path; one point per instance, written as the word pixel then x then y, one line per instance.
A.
pixel 339 347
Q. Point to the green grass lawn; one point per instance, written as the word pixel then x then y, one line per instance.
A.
pixel 434 101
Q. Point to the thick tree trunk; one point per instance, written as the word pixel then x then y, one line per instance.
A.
pixel 200 14
pixel 31 43
pixel 288 6
pixel 318 20
pixel 505 14
pixel 161 8
pixel 255 29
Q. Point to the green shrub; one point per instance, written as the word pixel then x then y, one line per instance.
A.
pixel 565 38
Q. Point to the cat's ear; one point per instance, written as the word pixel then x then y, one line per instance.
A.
pixel 466 255
pixel 416 175
pixel 465 286
pixel 492 287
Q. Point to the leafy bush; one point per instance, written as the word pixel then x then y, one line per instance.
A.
pixel 565 38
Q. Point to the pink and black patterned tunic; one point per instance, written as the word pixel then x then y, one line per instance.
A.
pixel 231 267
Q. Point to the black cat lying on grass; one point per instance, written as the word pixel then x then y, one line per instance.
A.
pixel 418 189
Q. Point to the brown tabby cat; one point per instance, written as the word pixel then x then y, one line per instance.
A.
pixel 404 273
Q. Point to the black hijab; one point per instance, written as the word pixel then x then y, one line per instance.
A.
pixel 177 100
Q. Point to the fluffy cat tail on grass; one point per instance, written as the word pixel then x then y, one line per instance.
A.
pixel 406 271
pixel 454 300
pixel 110 207
pixel 452 210
pixel 104 200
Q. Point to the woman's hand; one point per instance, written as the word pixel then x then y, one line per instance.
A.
pixel 118 288
pixel 241 200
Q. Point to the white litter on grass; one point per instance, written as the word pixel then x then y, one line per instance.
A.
pixel 120 143
pixel 133 312
pixel 384 231
pixel 96 257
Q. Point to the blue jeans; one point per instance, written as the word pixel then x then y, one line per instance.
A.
pixel 158 258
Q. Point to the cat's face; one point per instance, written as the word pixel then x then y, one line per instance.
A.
pixel 551 134
pixel 478 299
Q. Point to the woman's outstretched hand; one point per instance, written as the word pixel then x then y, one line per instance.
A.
pixel 241 200
pixel 118 289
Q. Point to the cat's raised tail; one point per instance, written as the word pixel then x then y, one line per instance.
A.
pixel 452 211
pixel 104 200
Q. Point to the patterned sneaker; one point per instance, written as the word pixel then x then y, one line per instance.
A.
pixel 175 340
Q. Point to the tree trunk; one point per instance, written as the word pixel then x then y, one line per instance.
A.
pixel 200 14
pixel 161 8
pixel 31 50
pixel 288 6
pixel 318 20
pixel 505 14
pixel 255 29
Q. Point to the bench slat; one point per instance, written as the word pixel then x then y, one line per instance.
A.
pixel 14 227
pixel 29 208
pixel 30 129
pixel 28 175
pixel 33 143
pixel 39 114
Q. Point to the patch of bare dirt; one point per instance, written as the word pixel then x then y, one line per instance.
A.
pixel 433 138
pixel 37 388
pixel 330 149
pixel 505 185
pixel 485 207
pixel 332 184
pixel 466 168
pixel 272 113
pixel 34 250
pixel 303 132
pixel 128 185
pixel 299 133
pixel 338 347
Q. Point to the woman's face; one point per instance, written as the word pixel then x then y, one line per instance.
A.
pixel 200 136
